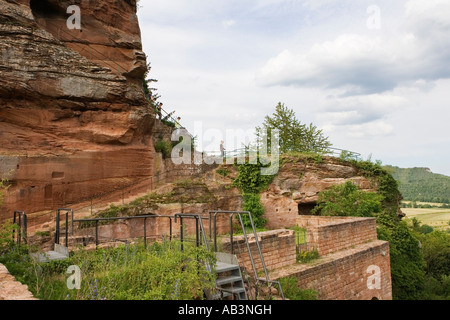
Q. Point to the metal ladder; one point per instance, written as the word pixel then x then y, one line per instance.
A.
pixel 213 232
pixel 229 281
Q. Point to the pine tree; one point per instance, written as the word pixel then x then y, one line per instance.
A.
pixel 293 135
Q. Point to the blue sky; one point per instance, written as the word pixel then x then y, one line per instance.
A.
pixel 374 75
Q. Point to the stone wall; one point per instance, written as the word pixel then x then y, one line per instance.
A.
pixel 72 129
pixel 362 273
pixel 331 234
pixel 277 247
pixel 11 289
pixel 353 264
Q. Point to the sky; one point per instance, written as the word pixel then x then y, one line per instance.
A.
pixel 373 75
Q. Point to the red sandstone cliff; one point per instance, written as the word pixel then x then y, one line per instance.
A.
pixel 74 121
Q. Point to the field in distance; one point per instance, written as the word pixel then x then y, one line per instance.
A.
pixel 438 218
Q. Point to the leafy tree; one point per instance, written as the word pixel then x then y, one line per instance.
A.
pixel 419 184
pixel 293 135
pixel 407 263
pixel 436 251
pixel 347 200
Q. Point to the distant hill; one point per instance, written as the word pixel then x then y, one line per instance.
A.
pixel 420 184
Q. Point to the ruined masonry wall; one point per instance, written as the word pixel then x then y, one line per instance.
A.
pixel 11 289
pixel 347 275
pixel 332 234
pixel 277 246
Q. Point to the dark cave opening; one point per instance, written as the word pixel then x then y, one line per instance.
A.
pixel 46 9
pixel 304 209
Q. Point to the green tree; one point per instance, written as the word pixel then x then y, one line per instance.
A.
pixel 436 252
pixel 293 135
pixel 407 264
pixel 347 200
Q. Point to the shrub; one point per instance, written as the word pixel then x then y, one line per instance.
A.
pixel 129 272
pixel 347 200
pixel 165 147
pixel 293 292
pixel 306 256
pixel 252 203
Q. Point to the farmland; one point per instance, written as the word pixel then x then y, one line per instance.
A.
pixel 438 218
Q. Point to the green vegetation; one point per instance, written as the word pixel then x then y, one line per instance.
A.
pixel 251 183
pixel 419 184
pixel 436 254
pixel 437 218
pixel 223 171
pixel 165 147
pixel 407 264
pixel 3 187
pixel 293 292
pixel 347 200
pixel 305 256
pixel 129 272
pixel 293 136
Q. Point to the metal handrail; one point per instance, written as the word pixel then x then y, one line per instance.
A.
pixel 239 213
pixel 58 229
pixel 198 223
pixel 96 220
pixel 21 217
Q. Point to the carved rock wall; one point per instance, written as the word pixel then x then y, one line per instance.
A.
pixel 71 125
pixel 295 189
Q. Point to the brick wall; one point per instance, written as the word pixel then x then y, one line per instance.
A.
pixel 277 246
pixel 359 274
pixel 332 234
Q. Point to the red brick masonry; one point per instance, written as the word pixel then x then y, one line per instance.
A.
pixel 353 264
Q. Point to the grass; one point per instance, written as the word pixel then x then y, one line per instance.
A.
pixel 437 218
pixel 129 272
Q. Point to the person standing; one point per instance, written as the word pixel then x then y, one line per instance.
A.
pixel 178 125
pixel 222 149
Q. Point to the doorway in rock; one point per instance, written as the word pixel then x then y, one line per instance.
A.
pixel 47 9
pixel 304 209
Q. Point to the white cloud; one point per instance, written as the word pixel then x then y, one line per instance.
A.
pixel 228 23
pixel 372 91
pixel 363 63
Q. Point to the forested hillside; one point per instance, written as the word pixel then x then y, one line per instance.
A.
pixel 420 184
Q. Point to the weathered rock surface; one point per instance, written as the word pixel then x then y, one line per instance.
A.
pixel 73 124
pixel 11 289
pixel 296 187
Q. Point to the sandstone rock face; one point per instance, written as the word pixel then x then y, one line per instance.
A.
pixel 295 189
pixel 74 121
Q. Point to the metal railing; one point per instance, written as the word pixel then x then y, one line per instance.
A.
pixel 58 229
pixel 97 220
pixel 213 233
pixel 198 228
pixel 20 219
